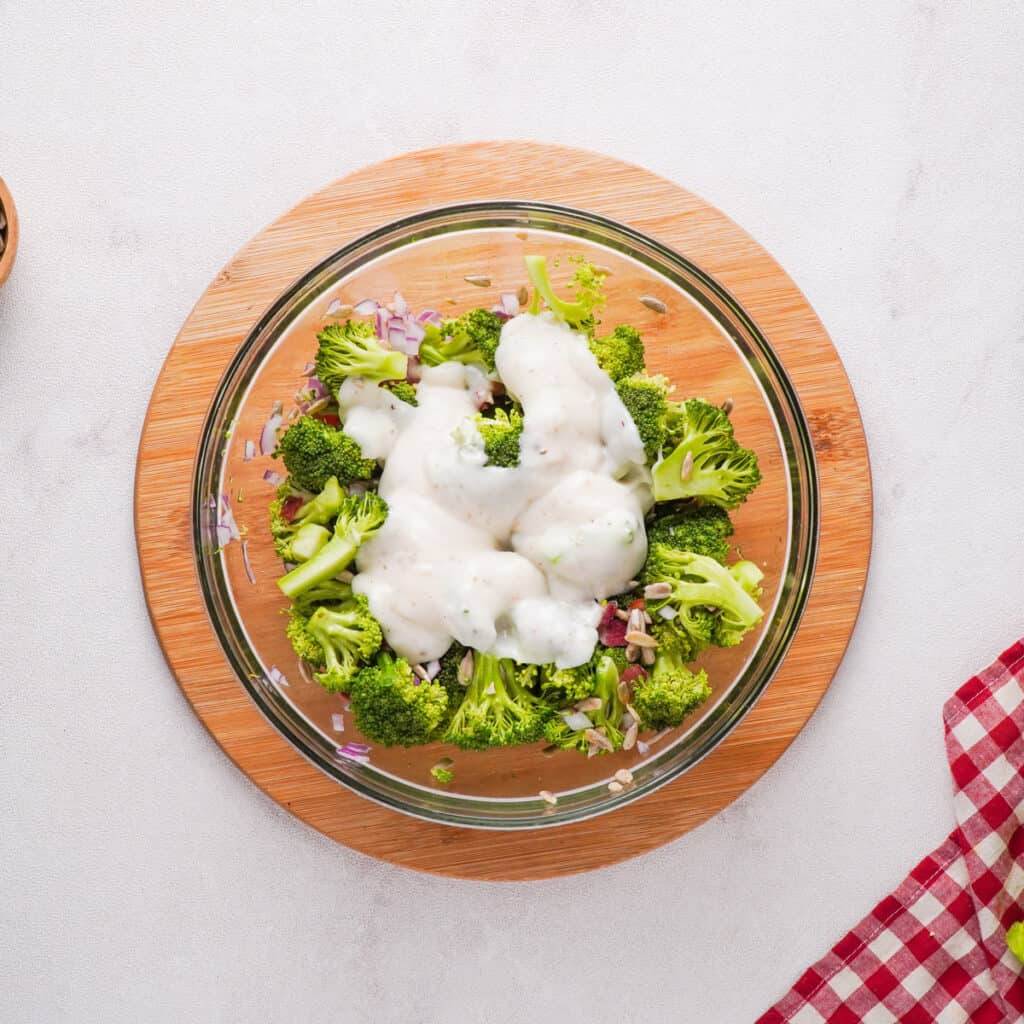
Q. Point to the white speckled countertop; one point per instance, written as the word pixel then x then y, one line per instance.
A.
pixel 876 149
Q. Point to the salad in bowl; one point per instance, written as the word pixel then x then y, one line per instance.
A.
pixel 498 528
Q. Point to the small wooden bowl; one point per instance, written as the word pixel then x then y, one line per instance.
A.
pixel 8 232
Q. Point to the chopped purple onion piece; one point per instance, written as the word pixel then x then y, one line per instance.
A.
pixel 273 477
pixel 510 303
pixel 365 308
pixel 250 451
pixel 276 676
pixel 338 722
pixel 401 307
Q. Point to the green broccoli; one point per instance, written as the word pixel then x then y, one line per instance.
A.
pixel 713 603
pixel 353 350
pixel 402 390
pixel 498 709
pixel 393 706
pixel 621 353
pixel 348 636
pixel 313 452
pixel 472 338
pixel 328 592
pixel 317 511
pixel 305 645
pixel 702 529
pixel 561 687
pixel 454 675
pixel 606 734
pixel 665 697
pixel 442 774
pixel 646 402
pixel 501 432
pixel 588 283
pixel 706 461
pixel 359 518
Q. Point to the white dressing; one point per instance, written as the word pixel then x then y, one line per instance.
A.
pixel 511 561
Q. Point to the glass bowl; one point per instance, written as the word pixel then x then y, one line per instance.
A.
pixel 703 341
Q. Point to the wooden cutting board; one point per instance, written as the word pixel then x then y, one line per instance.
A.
pixel 314 229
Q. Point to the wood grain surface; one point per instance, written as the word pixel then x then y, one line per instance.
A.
pixel 314 229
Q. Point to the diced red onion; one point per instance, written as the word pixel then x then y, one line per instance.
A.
pixel 211 503
pixel 250 451
pixel 641 747
pixel 414 333
pixel 432 667
pixel 245 561
pixel 666 611
pixel 317 388
pixel 577 721
pixel 338 722
pixel 309 370
pixel 273 477
pixel 333 306
pixel 355 752
pixel 430 316
pixel 223 536
pixel 396 336
pixel 380 323
pixel 510 303
pixel 275 675
pixel 500 313
pixel 400 306
pixel 365 308
pixel 227 517
pixel 268 438
pixel 414 370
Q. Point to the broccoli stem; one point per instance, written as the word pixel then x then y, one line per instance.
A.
pixel 537 268
pixel 335 556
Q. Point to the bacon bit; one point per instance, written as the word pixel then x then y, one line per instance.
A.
pixel 611 630
pixel 631 673
pixel 638 603
pixel 289 507
pixel 331 419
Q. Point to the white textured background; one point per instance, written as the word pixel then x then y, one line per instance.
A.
pixel 876 149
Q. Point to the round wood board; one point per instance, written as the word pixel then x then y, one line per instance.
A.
pixel 314 229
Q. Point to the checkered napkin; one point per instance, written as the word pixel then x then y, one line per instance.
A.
pixel 935 949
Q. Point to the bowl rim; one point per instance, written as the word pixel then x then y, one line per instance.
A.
pixel 260 690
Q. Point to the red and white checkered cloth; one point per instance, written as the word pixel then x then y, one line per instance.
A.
pixel 935 950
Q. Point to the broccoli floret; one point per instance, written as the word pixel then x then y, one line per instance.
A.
pixel 706 461
pixel 305 645
pixel 328 592
pixel 498 709
pixel 713 603
pixel 402 390
pixel 313 452
pixel 501 432
pixel 471 338
pixel 665 697
pixel 359 518
pixel 319 511
pixel 646 402
pixel 454 675
pixel 348 636
pixel 621 353
pixel 702 529
pixel 561 687
pixel 353 350
pixel 607 719
pixel 588 283
pixel 393 706
pixel 441 774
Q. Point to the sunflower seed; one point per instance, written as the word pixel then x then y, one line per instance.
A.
pixel 625 691
pixel 632 710
pixel 523 295
pixel 548 797
pixel 421 672
pixel 597 739
pixel 632 584
pixel 465 672
pixel 602 270
pixel 522 235
pixel 480 280
pixel 727 406
pixel 635 622
pixel 614 787
pixel 648 621
pixel 451 302
pixel 590 704
pixel 625 776
pixel 652 303
pixel 687 468
pixel 629 740
pixel 657 591
pixel 640 639
pixel 632 652
pixel 647 656
pixel 621 613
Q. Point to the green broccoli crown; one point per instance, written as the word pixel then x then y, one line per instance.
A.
pixel 621 353
pixel 348 636
pixel 359 518
pixel 561 687
pixel 320 510
pixel 501 432
pixel 706 461
pixel 712 602
pixel 305 645
pixel 454 675
pixel 441 774
pixel 393 706
pixel 702 529
pixel 606 719
pixel 671 692
pixel 328 592
pixel 353 350
pixel 645 399
pixel 499 709
pixel 471 338
pixel 313 452
pixel 588 288
pixel 402 390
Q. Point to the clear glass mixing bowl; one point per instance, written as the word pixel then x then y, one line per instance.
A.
pixel 703 341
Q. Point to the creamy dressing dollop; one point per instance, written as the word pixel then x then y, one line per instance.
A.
pixel 510 561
